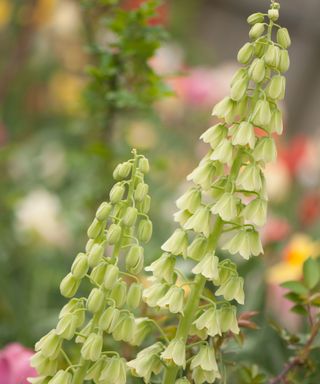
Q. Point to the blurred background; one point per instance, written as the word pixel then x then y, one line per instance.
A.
pixel 60 139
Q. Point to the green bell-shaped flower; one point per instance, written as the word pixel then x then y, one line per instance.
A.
pixel 226 207
pixel 154 293
pixel 265 150
pixel 256 212
pixel 163 268
pixel 207 267
pixel 114 371
pixel 214 135
pixel 227 317
pixel 250 178
pixel 209 321
pixel 49 345
pixel 244 134
pixel 190 200
pixel 246 242
pixel 232 289
pixel 61 377
pixel 92 347
pixel 173 300
pixel 223 152
pixel 175 353
pixel 205 359
pixel 200 221
pixel 177 243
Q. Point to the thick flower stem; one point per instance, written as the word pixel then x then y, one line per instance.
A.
pixel 192 304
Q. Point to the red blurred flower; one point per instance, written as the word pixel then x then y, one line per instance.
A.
pixel 162 11
pixel 309 210
pixel 15 365
pixel 294 152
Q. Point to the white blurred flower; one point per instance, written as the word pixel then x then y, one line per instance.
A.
pixel 278 181
pixel 39 215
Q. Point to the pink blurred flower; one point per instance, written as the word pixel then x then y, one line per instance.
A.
pixel 276 229
pixel 15 364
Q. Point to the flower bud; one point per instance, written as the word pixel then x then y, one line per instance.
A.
pixel 209 321
pixel 119 293
pixel 141 191
pixel 273 14
pixel 256 212
pixel 232 289
pixel 125 328
pixel 95 229
pixel 265 150
pixel 205 359
pixel 61 377
pixel 95 370
pixel 144 165
pixel 276 87
pixel 134 295
pixel 103 211
pixel 163 267
pixel 239 89
pixel 117 193
pixel 214 135
pixel 246 242
pixel 144 230
pixel 257 70
pixel 130 216
pixel 250 178
pixel 177 243
pixel 228 319
pixel 95 300
pixel 284 61
pixel 225 109
pixel 262 113
pixel 92 347
pixel 245 53
pixel 89 244
pixel 144 205
pixel 73 305
pixel 200 221
pixel 110 276
pixel 80 266
pixel 260 47
pixel 283 38
pixel 244 134
pixel 197 248
pixel 69 285
pixel 173 300
pixel 135 259
pixel 276 124
pixel 226 207
pixel 84 333
pixel 223 152
pixel 256 31
pixel 114 372
pixel 114 234
pixel 98 272
pixel 207 267
pixel 175 353
pixel 122 171
pixel 49 345
pixel 44 365
pixel 95 255
pixel 154 293
pixel 272 56
pixel 239 74
pixel 255 18
pixel 67 326
pixel 109 319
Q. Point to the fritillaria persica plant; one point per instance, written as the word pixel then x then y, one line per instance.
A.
pixel 225 205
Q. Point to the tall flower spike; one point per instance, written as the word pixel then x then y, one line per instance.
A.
pixel 119 224
pixel 228 194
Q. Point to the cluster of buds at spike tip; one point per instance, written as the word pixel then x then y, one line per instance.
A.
pixel 120 227
pixel 228 195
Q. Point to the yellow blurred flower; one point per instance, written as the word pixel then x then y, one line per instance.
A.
pixel 43 11
pixel 5 12
pixel 299 248
pixel 141 135
pixel 65 90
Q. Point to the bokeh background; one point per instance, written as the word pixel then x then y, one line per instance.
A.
pixel 57 152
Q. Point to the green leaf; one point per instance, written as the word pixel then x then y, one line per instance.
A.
pixel 296 287
pixel 293 297
pixel 311 273
pixel 299 309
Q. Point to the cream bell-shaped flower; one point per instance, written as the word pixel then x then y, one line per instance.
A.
pixel 256 212
pixel 147 362
pixel 265 150
pixel 207 267
pixel 205 173
pixel 244 134
pixel 246 242
pixel 225 109
pixel 173 300
pixel 223 152
pixel 250 178
pixel 205 359
pixel 175 353
pixel 232 289
pixel 214 135
pixel 154 293
pixel 200 376
pixel 114 372
pixel 190 200
pixel 163 268
pixel 200 221
pixel 209 321
pixel 61 377
pixel 227 316
pixel 226 207
pixel 177 243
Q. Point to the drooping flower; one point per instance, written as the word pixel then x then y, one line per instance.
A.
pixel 175 353
pixel 207 267
pixel 245 242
